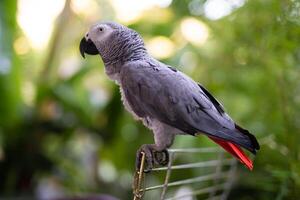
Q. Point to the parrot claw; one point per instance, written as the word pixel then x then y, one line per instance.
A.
pixel 161 157
pixel 152 157
pixel 147 149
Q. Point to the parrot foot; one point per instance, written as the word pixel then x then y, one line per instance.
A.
pixel 152 157
pixel 161 157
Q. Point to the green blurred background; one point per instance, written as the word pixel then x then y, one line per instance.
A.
pixel 63 129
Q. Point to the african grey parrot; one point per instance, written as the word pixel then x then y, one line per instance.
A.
pixel 166 100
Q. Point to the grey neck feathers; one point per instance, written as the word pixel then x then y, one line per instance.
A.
pixel 126 46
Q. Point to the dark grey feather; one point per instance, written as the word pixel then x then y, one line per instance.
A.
pixel 178 101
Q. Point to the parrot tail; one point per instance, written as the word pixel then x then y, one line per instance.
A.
pixel 234 150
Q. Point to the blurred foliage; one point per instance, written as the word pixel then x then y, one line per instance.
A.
pixel 69 134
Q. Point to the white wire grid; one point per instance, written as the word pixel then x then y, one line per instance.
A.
pixel 213 181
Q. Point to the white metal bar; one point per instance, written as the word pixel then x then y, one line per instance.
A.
pixel 218 171
pixel 230 180
pixel 168 174
pixel 190 180
pixel 210 163
pixel 197 150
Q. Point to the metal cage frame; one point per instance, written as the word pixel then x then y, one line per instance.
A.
pixel 228 175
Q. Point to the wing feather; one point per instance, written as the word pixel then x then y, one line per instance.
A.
pixel 175 99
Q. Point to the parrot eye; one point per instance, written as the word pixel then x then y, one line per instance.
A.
pixel 101 29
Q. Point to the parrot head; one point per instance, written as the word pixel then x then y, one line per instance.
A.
pixel 113 42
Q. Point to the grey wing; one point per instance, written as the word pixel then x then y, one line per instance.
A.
pixel 175 99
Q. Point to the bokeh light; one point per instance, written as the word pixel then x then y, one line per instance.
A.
pixel 216 9
pixel 36 19
pixel 131 10
pixel 194 31
pixel 160 47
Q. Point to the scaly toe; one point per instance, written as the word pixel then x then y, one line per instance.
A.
pixel 161 157
pixel 148 165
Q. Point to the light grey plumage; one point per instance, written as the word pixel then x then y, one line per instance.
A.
pixel 166 100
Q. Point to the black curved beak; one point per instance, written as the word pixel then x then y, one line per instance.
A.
pixel 88 47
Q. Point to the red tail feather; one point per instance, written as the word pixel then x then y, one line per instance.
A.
pixel 234 150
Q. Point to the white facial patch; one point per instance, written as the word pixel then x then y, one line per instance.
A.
pixel 99 32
